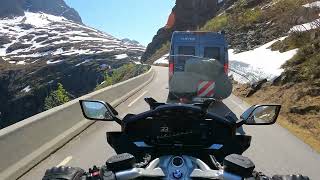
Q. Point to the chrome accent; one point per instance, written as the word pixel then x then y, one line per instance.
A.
pixel 141 144
pixel 163 167
pixel 139 172
pixel 153 164
pixel 128 174
pixel 207 174
pixel 177 174
pixel 215 146
pixel 178 157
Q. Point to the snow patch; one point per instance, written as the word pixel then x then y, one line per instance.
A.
pixel 311 5
pixel 31 55
pixel 21 63
pixel 58 51
pixel 82 38
pixel 261 62
pixel 26 89
pixel 41 19
pixel 162 60
pixel 77 51
pixel 121 56
pixel 3 51
pixel 306 27
pixel 54 62
pixel 83 62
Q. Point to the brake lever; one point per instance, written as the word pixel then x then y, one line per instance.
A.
pixel 99 174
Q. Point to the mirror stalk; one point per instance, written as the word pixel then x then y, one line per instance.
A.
pixel 240 122
pixel 118 121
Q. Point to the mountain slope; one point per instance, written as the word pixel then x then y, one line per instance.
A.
pixel 54 7
pixel 38 51
pixel 35 35
pixel 11 8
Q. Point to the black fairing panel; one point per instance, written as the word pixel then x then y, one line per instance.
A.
pixel 178 124
pixel 178 129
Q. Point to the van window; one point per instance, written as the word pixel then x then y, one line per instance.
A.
pixel 180 61
pixel 212 52
pixel 186 50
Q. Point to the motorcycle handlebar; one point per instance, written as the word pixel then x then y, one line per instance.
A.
pixel 140 172
pixel 133 173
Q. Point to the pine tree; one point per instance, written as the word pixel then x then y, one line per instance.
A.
pixel 56 98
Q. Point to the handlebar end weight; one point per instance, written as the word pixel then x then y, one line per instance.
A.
pixel 121 162
pixel 237 164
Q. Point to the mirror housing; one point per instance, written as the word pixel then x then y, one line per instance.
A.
pixel 98 111
pixel 261 115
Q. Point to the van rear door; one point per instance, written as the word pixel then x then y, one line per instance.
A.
pixel 180 59
pixel 213 45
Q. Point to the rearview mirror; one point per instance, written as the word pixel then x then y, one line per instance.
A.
pixel 261 114
pixel 97 110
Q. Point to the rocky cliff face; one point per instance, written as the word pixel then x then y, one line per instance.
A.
pixel 10 8
pixel 186 15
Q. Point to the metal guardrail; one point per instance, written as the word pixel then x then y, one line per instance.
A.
pixel 28 142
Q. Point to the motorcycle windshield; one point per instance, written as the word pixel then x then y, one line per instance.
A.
pixel 198 77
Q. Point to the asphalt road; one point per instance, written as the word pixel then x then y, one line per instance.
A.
pixel 274 150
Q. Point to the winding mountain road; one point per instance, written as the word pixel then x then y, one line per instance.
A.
pixel 274 150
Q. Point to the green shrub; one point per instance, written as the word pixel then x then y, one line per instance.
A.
pixel 237 19
pixel 304 66
pixel 285 13
pixel 293 41
pixel 250 16
pixel 217 23
pixel 56 98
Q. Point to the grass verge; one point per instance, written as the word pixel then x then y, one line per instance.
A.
pixel 302 126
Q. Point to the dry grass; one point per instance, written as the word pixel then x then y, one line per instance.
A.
pixel 304 126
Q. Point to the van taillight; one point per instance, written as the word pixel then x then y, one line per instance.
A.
pixel 226 68
pixel 171 66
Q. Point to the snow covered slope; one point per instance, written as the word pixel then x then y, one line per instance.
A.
pixel 39 36
pixel 38 51
pixel 259 63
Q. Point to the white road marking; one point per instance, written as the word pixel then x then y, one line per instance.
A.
pixel 134 101
pixel 65 161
